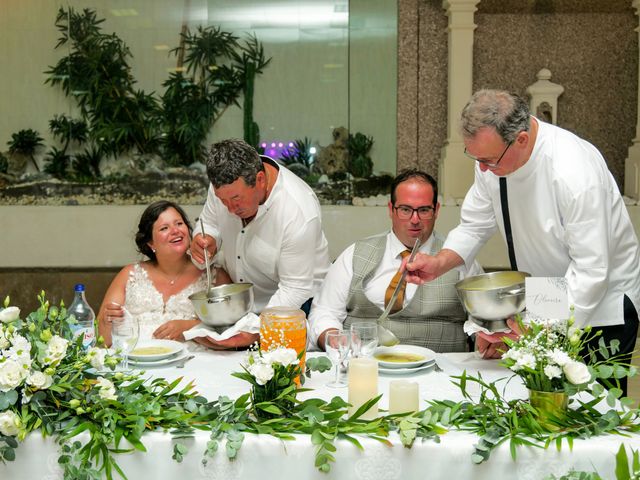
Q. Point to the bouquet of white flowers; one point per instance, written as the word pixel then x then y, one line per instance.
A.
pixel 272 377
pixel 549 357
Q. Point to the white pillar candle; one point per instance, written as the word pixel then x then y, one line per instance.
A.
pixel 403 397
pixel 363 385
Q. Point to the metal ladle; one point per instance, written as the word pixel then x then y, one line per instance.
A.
pixel 206 260
pixel 386 337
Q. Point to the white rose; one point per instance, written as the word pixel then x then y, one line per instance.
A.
pixel 12 373
pixel 107 390
pixel 39 380
pixel 9 423
pixel 559 356
pixel 552 371
pixel 263 372
pixel 56 350
pixel 283 356
pixel 577 372
pixel 97 356
pixel 4 341
pixel 9 314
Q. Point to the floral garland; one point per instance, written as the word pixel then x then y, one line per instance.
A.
pixel 49 383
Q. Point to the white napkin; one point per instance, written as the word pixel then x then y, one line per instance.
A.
pixel 470 327
pixel 250 323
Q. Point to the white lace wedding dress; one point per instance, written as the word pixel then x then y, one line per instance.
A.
pixel 146 304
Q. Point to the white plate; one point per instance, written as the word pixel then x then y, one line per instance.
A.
pixel 405 371
pixel 426 354
pixel 173 349
pixel 159 363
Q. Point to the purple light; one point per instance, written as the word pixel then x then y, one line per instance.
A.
pixel 280 145
pixel 273 144
pixel 272 153
pixel 290 144
pixel 263 145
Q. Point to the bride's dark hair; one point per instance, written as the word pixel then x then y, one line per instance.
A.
pixel 148 218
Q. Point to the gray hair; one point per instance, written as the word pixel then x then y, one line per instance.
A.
pixel 229 160
pixel 507 112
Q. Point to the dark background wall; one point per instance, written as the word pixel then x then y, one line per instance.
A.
pixel 590 46
pixel 23 285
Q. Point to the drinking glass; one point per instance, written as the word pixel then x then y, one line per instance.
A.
pixel 364 338
pixel 337 346
pixel 124 336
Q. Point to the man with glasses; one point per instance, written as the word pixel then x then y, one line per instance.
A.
pixel 359 284
pixel 552 198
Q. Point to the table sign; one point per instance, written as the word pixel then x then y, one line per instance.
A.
pixel 363 385
pixel 546 298
pixel 403 397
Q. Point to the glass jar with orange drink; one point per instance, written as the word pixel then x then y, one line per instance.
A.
pixel 284 327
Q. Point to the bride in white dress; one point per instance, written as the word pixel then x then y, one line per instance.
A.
pixel 156 292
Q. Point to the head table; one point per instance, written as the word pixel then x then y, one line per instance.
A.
pixel 264 457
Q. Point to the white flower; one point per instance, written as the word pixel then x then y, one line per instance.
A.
pixel 39 380
pixel 107 389
pixel 283 356
pixel 12 373
pixel 552 371
pixel 9 423
pixel 4 341
pixel 56 350
pixel 559 357
pixel 97 356
pixel 577 372
pixel 263 372
pixel 9 314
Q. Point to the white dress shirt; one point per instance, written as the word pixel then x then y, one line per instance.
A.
pixel 329 309
pixel 282 251
pixel 568 220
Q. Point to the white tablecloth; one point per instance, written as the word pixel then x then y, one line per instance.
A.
pixel 264 457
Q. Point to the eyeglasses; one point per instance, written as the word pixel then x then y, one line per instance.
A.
pixel 485 162
pixel 405 212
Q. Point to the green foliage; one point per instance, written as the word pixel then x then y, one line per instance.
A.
pixel 26 142
pixel 299 153
pixel 4 163
pixel 57 163
pixel 217 69
pixel 96 73
pixel 250 61
pixel 625 469
pixel 68 130
pixel 360 163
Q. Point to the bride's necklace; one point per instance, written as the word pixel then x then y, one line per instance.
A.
pixel 173 280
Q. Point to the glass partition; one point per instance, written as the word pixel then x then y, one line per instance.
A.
pixel 182 67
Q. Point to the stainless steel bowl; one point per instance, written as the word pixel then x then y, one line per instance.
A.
pixel 491 298
pixel 223 305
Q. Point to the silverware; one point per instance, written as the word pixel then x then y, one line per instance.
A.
pixel 386 337
pixel 184 360
pixel 206 259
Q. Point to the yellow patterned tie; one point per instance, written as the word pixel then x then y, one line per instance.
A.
pixel 392 286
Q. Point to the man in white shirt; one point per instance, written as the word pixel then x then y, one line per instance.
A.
pixel 563 207
pixel 266 220
pixel 357 285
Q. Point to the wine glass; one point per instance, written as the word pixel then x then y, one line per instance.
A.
pixel 124 336
pixel 337 345
pixel 364 338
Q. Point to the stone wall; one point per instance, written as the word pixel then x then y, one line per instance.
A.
pixel 590 46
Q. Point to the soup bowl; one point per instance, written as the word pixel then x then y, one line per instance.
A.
pixel 223 305
pixel 491 298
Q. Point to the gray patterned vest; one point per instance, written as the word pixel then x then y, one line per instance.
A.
pixel 433 318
